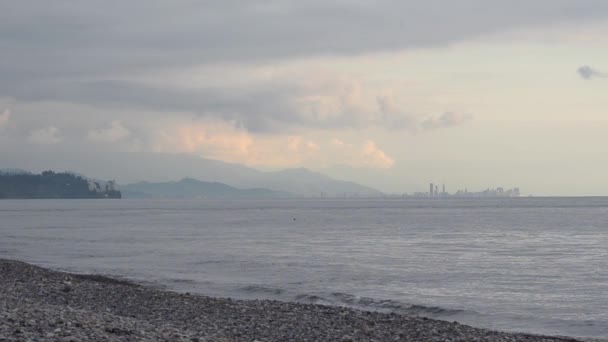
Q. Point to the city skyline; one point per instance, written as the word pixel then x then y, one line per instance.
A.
pixel 487 192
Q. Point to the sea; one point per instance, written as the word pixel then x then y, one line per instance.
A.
pixel 537 265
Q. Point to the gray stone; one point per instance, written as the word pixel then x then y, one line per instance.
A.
pixel 33 303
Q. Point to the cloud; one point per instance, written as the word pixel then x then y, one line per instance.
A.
pixel 366 155
pixel 107 54
pixel 295 97
pixel 65 38
pixel 211 139
pixel 339 143
pixel 218 140
pixel 267 74
pixel 448 119
pixel 115 132
pixel 49 135
pixel 589 73
pixel 100 50
pixel 299 144
pixel 4 118
pixel 375 157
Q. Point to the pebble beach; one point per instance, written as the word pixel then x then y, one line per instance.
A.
pixel 37 304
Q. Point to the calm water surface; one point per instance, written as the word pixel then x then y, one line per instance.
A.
pixel 536 265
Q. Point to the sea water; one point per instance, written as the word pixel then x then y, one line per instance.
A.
pixel 534 265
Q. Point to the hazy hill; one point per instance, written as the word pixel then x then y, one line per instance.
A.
pixel 192 188
pixel 310 183
pixel 157 167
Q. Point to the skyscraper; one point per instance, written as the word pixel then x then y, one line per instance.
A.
pixel 431 189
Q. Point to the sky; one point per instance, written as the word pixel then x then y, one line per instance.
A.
pixel 391 94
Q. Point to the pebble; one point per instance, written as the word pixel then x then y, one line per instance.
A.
pixel 33 306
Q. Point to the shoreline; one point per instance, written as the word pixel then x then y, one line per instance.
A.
pixel 44 305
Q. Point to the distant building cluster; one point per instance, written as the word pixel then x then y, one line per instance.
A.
pixel 434 191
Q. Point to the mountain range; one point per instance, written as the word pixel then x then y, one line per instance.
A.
pixel 133 167
pixel 192 188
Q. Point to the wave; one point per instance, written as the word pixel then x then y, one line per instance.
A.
pixel 356 302
pixel 311 299
pixel 262 289
pixel 388 305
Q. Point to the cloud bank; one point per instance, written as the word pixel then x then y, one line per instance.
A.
pixel 46 40
pixel 248 82
pixel 217 140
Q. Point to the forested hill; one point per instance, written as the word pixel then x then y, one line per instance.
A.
pixel 50 184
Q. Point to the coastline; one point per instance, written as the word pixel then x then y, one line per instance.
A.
pixel 39 304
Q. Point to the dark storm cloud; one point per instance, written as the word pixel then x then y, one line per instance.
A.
pixel 258 110
pixel 588 73
pixel 58 38
pixel 51 49
pixel 272 107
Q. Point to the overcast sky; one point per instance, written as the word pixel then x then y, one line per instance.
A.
pixel 393 94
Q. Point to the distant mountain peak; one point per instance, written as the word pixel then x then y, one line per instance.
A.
pixel 193 188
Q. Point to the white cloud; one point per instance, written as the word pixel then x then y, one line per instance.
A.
pixel 366 155
pixel 221 141
pixel 4 118
pixel 374 157
pixel 115 132
pixel 48 135
pixel 210 139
